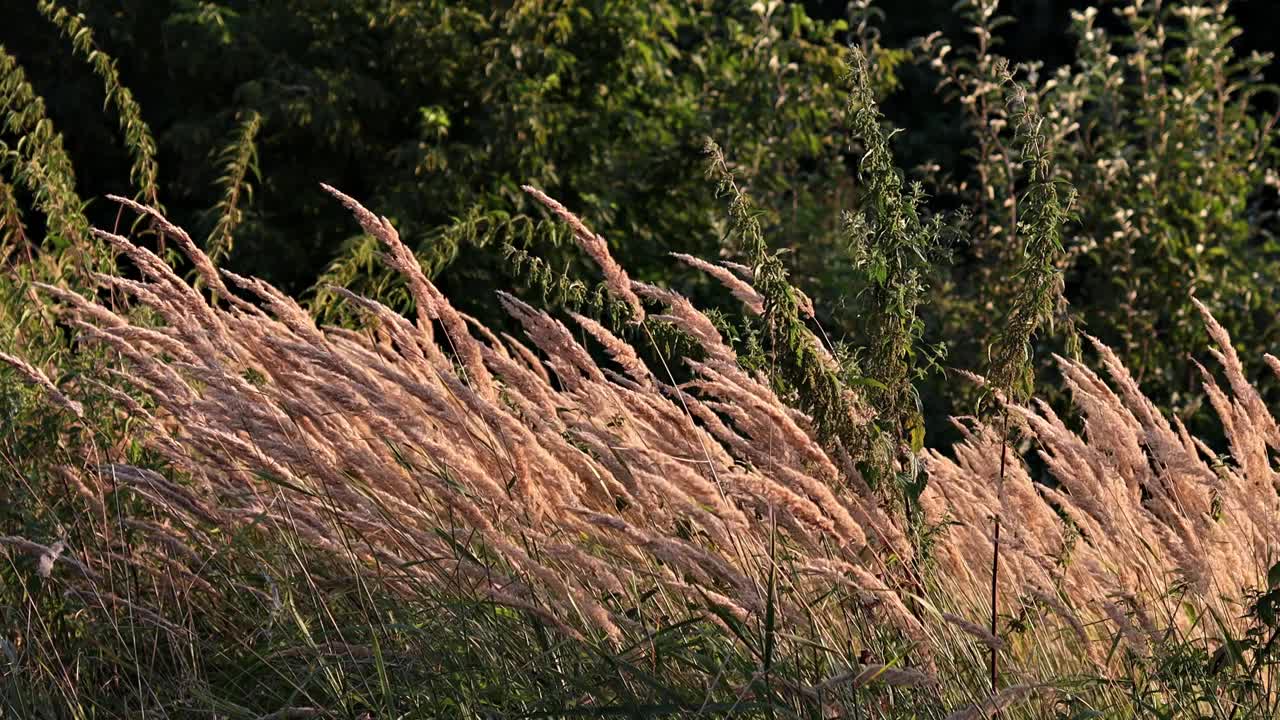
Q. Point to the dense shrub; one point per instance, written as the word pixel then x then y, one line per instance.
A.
pixel 1167 137
pixel 437 111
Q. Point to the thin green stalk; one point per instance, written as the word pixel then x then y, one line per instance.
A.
pixel 239 162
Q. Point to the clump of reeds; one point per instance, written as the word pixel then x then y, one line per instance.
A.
pixel 595 494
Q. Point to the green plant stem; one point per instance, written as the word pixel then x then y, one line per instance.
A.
pixel 995 553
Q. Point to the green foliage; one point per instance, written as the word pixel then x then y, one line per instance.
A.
pixel 1037 279
pixel 1161 132
pixel 436 111
pixel 13 231
pixel 894 250
pixel 1170 169
pixel 239 163
pixel 1227 675
pixel 806 372
pixel 137 134
pixel 38 162
pixel 638 86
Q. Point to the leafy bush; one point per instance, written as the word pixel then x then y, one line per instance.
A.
pixel 438 111
pixel 1162 131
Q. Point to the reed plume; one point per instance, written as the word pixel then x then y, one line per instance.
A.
pixel 438 454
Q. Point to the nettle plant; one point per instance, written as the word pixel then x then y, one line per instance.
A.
pixel 1167 136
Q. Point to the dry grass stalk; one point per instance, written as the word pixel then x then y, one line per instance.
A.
pixel 33 375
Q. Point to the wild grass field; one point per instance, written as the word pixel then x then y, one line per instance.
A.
pixel 811 433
